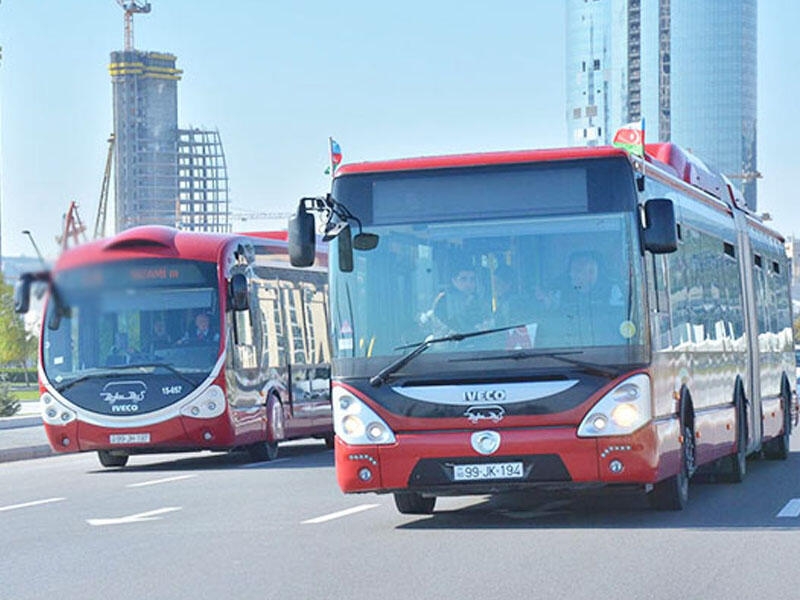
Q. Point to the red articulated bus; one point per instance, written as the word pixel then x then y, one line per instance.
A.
pixel 563 319
pixel 157 340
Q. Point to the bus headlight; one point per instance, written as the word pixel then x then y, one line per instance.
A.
pixel 355 423
pixel 209 404
pixel 55 413
pixel 623 410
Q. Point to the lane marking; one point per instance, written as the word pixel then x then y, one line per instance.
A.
pixel 264 463
pixel 157 481
pixel 27 504
pixel 792 508
pixel 137 518
pixel 339 514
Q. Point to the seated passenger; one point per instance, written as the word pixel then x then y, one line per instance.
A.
pixel 459 308
pixel 160 338
pixel 201 333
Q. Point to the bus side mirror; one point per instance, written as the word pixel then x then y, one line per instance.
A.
pixel 22 293
pixel 345 245
pixel 302 239
pixel 660 231
pixel 238 292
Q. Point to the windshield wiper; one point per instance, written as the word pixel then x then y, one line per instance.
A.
pixel 419 348
pixel 71 382
pixel 147 365
pixel 586 367
pixel 112 370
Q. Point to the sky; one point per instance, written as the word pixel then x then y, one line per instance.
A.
pixel 277 78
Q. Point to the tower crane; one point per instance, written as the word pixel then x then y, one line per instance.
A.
pixel 74 229
pixel 132 7
pixel 100 220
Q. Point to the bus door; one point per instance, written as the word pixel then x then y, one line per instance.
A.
pixel 753 376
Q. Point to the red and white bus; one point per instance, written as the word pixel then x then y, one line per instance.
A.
pixel 679 359
pixel 157 340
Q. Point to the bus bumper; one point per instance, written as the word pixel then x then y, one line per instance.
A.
pixel 176 434
pixel 552 457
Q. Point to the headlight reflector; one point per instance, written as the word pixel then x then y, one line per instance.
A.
pixel 622 411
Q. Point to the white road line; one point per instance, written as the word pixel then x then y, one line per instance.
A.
pixel 27 504
pixel 339 514
pixel 792 508
pixel 137 518
pixel 263 463
pixel 157 481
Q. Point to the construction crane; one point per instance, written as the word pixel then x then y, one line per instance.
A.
pixel 132 7
pixel 100 220
pixel 73 229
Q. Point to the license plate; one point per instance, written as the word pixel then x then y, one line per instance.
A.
pixel 510 470
pixel 129 438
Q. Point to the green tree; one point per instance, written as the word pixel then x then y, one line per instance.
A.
pixel 17 346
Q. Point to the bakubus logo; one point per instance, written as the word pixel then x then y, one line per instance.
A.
pixel 123 396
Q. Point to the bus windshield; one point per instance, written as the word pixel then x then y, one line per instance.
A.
pixel 154 314
pixel 554 282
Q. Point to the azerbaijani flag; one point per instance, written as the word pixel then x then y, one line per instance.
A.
pixel 630 138
pixel 336 154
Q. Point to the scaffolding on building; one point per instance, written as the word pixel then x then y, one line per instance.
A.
pixel 203 203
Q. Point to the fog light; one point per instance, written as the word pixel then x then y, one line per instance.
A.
pixel 364 474
pixel 375 431
pixel 207 435
pixel 599 422
pixel 616 466
pixel 65 441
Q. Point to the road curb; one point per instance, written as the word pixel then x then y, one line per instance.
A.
pixel 18 422
pixel 25 453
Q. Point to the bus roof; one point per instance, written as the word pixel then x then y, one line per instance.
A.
pixel 158 241
pixel 479 159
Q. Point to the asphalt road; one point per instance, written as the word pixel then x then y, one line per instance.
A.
pixel 214 526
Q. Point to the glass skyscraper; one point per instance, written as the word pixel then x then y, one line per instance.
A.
pixel 688 67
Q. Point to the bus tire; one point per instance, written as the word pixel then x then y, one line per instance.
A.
pixel 673 492
pixel 268 449
pixel 412 503
pixel 778 448
pixel 735 465
pixel 109 459
pixel 263 451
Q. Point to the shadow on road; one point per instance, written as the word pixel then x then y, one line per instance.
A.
pixel 294 455
pixel 755 503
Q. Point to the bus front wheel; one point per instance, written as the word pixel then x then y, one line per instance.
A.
pixel 109 459
pixel 673 492
pixel 412 503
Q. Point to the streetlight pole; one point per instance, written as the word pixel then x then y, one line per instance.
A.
pixel 35 247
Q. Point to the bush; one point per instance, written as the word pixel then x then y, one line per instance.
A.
pixel 9 405
pixel 17 375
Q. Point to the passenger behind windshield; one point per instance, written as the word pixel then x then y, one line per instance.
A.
pixel 459 308
pixel 201 332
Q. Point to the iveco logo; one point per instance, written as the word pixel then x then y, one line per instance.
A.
pixel 473 396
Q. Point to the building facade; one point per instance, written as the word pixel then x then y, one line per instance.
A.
pixel 688 67
pixel 162 175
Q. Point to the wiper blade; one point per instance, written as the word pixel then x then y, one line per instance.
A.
pixel 420 347
pixel 149 365
pixel 586 367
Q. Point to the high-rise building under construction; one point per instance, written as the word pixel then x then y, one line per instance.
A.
pixel 163 175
